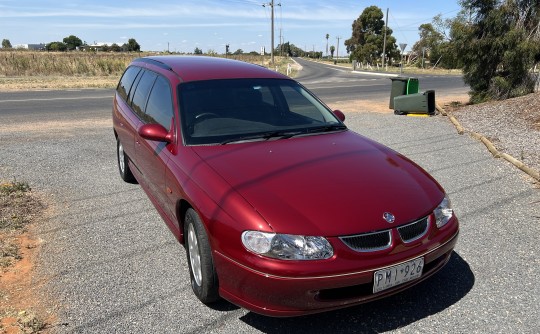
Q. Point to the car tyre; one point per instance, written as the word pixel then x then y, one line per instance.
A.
pixel 204 280
pixel 123 166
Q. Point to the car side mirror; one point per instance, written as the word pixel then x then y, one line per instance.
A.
pixel 155 132
pixel 340 115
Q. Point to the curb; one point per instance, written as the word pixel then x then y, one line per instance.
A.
pixel 489 145
pixel 355 71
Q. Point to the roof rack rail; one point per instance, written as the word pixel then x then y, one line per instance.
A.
pixel 155 62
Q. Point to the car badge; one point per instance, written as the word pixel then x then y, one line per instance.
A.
pixel 389 217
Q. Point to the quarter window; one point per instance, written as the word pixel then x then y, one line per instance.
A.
pixel 127 81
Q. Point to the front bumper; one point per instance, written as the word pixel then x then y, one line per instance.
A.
pixel 294 295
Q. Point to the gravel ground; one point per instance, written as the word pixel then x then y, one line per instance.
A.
pixel 513 126
pixel 110 265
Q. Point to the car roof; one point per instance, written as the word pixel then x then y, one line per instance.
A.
pixel 195 68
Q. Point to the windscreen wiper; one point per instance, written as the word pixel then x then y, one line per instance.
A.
pixel 263 136
pixel 326 128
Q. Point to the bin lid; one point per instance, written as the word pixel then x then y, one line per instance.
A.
pixel 413 86
pixel 400 79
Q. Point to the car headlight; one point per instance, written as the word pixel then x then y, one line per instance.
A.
pixel 443 212
pixel 287 246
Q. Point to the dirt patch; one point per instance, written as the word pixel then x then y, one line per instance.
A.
pixel 383 106
pixel 64 126
pixel 21 299
pixel 9 84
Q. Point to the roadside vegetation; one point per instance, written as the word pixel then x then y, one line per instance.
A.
pixel 496 43
pixel 19 208
pixel 23 69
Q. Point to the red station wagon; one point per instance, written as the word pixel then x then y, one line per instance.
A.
pixel 282 209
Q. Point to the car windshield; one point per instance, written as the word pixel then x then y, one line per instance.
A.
pixel 238 110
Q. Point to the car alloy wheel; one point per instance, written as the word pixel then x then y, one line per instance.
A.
pixel 194 255
pixel 123 167
pixel 204 280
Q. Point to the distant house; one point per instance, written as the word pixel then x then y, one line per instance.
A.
pixel 38 47
pixel 95 46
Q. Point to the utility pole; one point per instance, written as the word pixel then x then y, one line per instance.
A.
pixel 272 42
pixel 337 51
pixel 280 44
pixel 384 43
pixel 271 4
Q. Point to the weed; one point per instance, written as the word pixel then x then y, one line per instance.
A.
pixel 29 322
pixel 9 252
pixel 7 188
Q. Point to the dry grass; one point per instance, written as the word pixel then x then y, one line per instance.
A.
pixel 30 70
pixel 28 63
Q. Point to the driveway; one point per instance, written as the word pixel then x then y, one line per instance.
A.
pixel 109 264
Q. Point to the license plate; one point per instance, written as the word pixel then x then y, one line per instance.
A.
pixel 389 277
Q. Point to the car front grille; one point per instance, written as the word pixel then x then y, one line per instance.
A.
pixel 380 240
pixel 414 231
pixel 369 242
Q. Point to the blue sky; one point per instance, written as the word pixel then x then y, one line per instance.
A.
pixel 183 25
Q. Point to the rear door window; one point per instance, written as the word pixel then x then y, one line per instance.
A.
pixel 141 93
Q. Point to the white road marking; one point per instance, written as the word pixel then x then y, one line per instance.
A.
pixel 60 99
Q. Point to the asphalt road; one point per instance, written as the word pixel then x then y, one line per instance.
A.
pixel 334 83
pixel 109 264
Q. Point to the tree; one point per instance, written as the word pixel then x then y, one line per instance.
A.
pixel 290 50
pixel 198 51
pixel 500 46
pixel 429 44
pixel 238 52
pixel 327 37
pixel 332 49
pixel 56 46
pixel 72 42
pixel 116 48
pixel 132 45
pixel 6 44
pixel 366 43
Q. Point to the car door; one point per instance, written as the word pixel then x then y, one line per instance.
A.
pixel 126 122
pixel 153 156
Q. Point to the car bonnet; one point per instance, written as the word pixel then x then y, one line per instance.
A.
pixel 331 184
